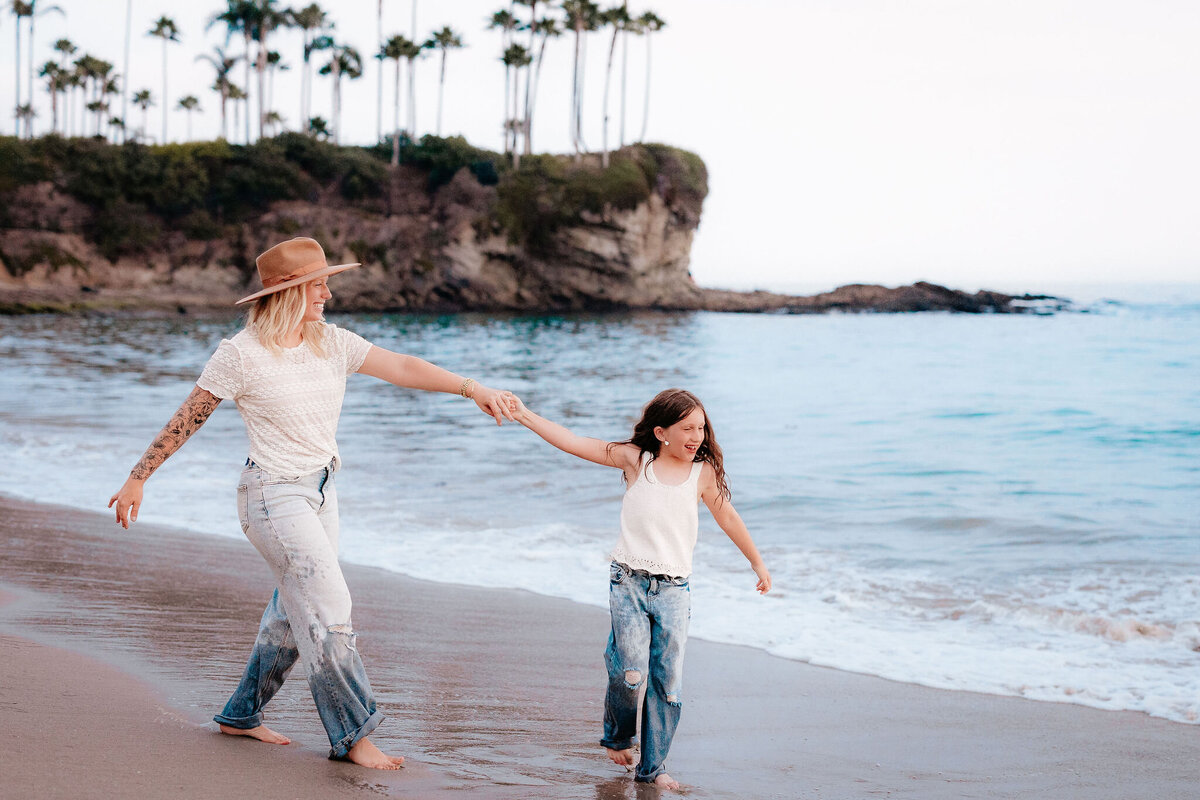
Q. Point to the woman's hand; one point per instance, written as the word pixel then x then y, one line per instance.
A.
pixel 764 577
pixel 494 403
pixel 128 500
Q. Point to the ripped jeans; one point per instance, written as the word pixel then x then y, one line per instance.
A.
pixel 293 523
pixel 650 617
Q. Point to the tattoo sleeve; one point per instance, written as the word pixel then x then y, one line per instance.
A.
pixel 187 420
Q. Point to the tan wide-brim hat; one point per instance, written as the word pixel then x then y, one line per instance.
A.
pixel 292 263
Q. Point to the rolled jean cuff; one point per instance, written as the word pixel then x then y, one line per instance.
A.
pixel 340 749
pixel 617 744
pixel 640 778
pixel 241 723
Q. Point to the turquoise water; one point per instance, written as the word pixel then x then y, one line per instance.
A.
pixel 1006 504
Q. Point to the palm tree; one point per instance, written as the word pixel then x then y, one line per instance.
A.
pixel 379 83
pixel 239 16
pixel 25 114
pixel 583 16
pixel 222 63
pixel 65 48
pixel 310 20
pixel 396 49
pixel 53 75
pixel 515 57
pixel 344 63
pixel 125 69
pixel 35 11
pixel 533 30
pixel 239 98
pixel 268 18
pixel 318 127
pixel 274 121
pixel 109 87
pixel 275 65
pixel 618 18
pixel 116 127
pixel 19 10
pixel 651 24
pixel 507 23
pixel 165 29
pixel 548 28
pixel 143 100
pixel 189 103
pixel 445 40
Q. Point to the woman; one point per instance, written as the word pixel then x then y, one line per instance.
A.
pixel 286 371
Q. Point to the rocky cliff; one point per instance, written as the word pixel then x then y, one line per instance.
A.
pixel 86 225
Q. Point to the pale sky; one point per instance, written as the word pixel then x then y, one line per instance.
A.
pixel 1006 144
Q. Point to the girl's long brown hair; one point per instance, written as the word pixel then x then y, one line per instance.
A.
pixel 668 407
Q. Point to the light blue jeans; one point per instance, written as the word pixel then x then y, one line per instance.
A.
pixel 292 521
pixel 650 617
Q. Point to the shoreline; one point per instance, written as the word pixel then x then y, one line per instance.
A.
pixel 491 692
pixel 850 298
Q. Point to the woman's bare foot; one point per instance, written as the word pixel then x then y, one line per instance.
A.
pixel 366 754
pixel 262 733
pixel 622 758
pixel 665 781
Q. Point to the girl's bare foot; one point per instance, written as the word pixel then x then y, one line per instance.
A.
pixel 622 758
pixel 262 733
pixel 366 754
pixel 665 781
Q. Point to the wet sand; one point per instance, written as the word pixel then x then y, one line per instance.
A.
pixel 117 647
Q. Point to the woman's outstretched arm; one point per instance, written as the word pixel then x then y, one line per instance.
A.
pixel 416 373
pixel 608 454
pixel 194 412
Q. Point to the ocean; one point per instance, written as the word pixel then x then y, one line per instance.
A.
pixel 1001 504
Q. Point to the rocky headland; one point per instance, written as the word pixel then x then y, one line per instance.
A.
pixel 86 225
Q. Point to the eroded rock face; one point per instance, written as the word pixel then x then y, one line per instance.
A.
pixel 439 252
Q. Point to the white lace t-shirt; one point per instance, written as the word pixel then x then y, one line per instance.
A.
pixel 290 401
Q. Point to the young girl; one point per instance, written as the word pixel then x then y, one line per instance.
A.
pixel 671 462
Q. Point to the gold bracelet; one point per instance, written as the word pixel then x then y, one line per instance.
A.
pixel 467 388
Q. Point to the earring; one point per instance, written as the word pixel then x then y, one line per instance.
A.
pixel 668 444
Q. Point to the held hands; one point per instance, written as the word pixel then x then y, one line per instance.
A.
pixel 128 500
pixel 764 577
pixel 493 402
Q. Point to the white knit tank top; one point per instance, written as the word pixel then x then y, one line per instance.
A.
pixel 659 523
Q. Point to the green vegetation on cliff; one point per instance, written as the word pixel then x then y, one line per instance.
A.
pixel 136 195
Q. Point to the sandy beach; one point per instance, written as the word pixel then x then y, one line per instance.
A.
pixel 118 647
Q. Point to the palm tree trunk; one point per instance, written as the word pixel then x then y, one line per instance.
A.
pixel 612 48
pixel 516 95
pixel 260 68
pixel 164 94
pixel 646 107
pixel 379 91
pixel 337 102
pixel 224 127
pixel 624 70
pixel 304 86
pixel 246 72
pixel 125 83
pixel 17 90
pixel 396 118
pixel 525 127
pixel 575 99
pixel 412 97
pixel 507 95
pixel 441 91
pixel 29 119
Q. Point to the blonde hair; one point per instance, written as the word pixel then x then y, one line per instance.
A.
pixel 278 314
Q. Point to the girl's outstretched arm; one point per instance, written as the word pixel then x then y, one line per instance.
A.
pixel 194 412
pixel 416 373
pixel 607 454
pixel 731 522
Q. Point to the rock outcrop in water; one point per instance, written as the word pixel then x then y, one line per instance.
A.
pixel 554 236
